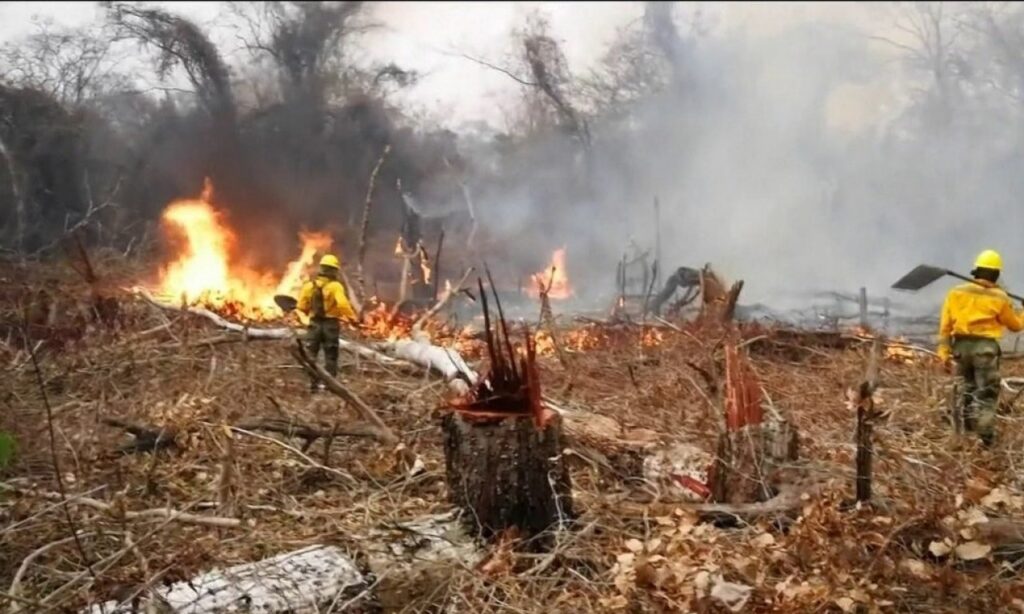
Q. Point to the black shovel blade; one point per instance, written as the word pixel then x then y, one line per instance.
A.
pixel 919 277
pixel 285 302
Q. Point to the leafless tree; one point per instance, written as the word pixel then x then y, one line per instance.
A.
pixel 306 41
pixel 71 65
pixel 180 43
pixel 632 70
pixel 930 33
pixel 997 54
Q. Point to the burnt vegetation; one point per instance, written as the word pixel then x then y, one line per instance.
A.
pixel 677 458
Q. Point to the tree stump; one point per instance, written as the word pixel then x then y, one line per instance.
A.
pixel 503 447
pixel 750 450
pixel 507 472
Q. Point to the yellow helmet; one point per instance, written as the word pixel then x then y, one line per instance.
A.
pixel 330 260
pixel 989 259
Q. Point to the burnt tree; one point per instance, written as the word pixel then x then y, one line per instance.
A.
pixel 503 446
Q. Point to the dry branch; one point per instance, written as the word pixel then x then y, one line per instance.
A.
pixel 116 511
pixel 386 435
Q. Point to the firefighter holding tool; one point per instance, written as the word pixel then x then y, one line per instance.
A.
pixel 973 318
pixel 323 300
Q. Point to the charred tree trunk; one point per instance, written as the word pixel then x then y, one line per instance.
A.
pixel 507 472
pixel 865 451
pixel 861 398
pixel 503 448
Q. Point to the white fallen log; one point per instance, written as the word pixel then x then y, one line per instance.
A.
pixel 443 360
pixel 421 353
pixel 300 582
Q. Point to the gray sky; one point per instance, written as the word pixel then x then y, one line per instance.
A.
pixel 427 36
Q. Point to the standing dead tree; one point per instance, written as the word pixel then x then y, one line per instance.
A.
pixel 547 65
pixel 305 41
pixel 180 43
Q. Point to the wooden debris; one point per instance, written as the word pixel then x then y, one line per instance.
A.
pixel 407 352
pixel 383 433
pixel 147 439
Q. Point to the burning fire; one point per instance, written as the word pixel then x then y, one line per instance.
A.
pixel 202 272
pixel 554 277
pixel 897 349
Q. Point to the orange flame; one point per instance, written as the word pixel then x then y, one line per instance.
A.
pixel 554 277
pixel 202 272
pixel 312 242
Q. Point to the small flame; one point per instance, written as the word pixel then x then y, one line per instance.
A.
pixel 555 278
pixel 398 247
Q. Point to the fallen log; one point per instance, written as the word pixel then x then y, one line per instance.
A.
pixel 301 581
pixel 421 352
pixel 407 352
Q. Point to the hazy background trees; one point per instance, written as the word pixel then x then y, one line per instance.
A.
pixel 739 138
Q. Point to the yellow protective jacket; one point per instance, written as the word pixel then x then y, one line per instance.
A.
pixel 336 304
pixel 977 311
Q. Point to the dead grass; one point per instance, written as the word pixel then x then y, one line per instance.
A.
pixel 629 551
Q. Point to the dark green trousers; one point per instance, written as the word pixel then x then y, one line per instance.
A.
pixel 977 364
pixel 324 334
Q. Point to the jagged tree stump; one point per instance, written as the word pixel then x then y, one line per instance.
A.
pixel 750 449
pixel 503 447
pixel 507 472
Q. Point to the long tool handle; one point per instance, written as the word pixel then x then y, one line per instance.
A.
pixel 975 281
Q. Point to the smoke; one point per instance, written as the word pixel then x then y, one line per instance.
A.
pixel 809 157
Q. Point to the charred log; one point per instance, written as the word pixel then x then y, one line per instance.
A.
pixel 685 278
pixel 146 438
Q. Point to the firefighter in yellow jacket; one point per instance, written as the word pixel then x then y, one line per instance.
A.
pixel 323 300
pixel 973 318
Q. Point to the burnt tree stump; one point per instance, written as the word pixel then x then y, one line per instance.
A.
pixel 507 472
pixel 503 447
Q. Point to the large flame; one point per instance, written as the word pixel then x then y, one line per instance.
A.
pixel 203 272
pixel 554 277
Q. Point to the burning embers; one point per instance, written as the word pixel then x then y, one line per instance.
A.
pixel 554 280
pixel 203 272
